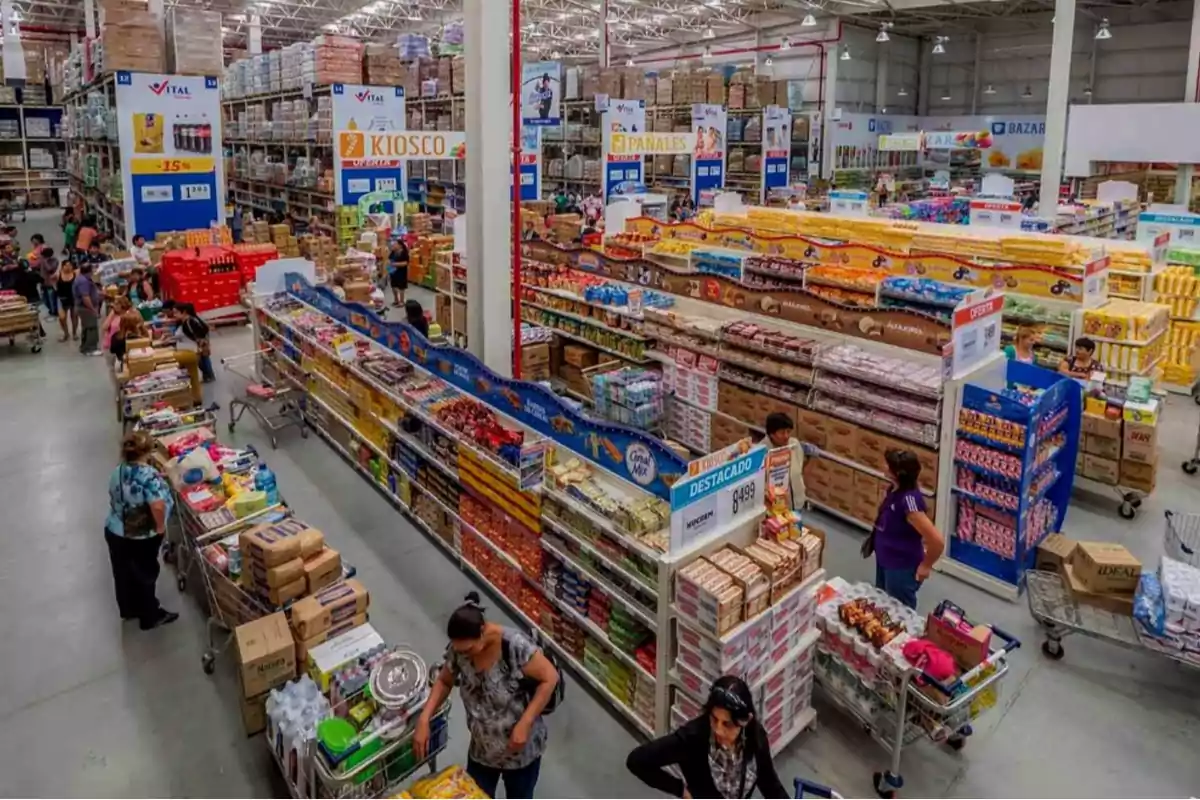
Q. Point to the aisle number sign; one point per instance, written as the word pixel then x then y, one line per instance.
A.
pixel 716 498
pixel 975 335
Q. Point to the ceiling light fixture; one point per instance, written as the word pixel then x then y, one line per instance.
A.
pixel 1027 92
pixel 903 92
pixel 556 54
pixel 629 62
pixel 785 44
pixel 1087 91
pixel 883 110
pixel 882 36
pixel 709 33
pixel 768 62
pixel 946 94
pixel 809 21
pixel 1103 32
pixel 939 47
pixel 990 89
pixel 845 52
pixel 707 51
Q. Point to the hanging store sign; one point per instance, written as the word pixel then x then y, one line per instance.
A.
pixel 170 138
pixel 719 497
pixel 369 121
pixel 777 148
pixel 541 93
pixel 901 141
pixel 975 335
pixel 530 166
pixel 622 141
pixel 708 159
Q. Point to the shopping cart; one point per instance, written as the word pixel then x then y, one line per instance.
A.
pixel 1060 615
pixel 806 788
pixel 899 708
pixel 18 317
pixel 273 403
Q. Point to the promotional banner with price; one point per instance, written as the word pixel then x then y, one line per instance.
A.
pixel 364 118
pixel 975 336
pixel 714 500
pixel 170 134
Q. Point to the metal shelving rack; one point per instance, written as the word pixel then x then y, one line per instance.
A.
pixel 97 159
pixel 15 182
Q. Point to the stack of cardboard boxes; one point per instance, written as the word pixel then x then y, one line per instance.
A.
pixel 130 38
pixel 381 65
pixel 192 49
pixel 1119 451
pixel 266 654
pixel 576 358
pixel 1100 574
pixel 535 361
pixel 284 241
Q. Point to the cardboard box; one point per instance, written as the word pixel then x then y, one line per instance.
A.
pixel 327 658
pixel 841 481
pixel 871 449
pixel 843 438
pixel 266 654
pixel 1104 470
pixel 254 713
pixel 304 645
pixel 1054 552
pixel 1140 443
pixel 271 545
pixel 1116 603
pixel 279 575
pixel 1101 446
pixel 328 607
pixel 928 459
pixel 282 595
pixel 1106 567
pixel 969 648
pixel 812 427
pixel 578 355
pixel 1139 476
pixel 1102 426
pixel 322 569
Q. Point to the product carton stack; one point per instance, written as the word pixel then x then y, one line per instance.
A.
pixel 535 361
pixel 1101 574
pixel 284 241
pixel 326 614
pixel 130 38
pixel 321 250
pixel 381 65
pixel 1099 456
pixel 274 561
pixel 257 232
pixel 333 59
pixel 192 49
pixel 266 656
pixel 1139 448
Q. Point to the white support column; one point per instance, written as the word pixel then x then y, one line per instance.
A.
pixel 489 184
pixel 975 73
pixel 828 126
pixel 1056 105
pixel 89 18
pixel 924 68
pixel 881 76
pixel 1183 183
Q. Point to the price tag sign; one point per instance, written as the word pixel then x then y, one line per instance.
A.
pixel 1095 282
pixel 385 184
pixel 975 335
pixel 1162 243
pixel 848 203
pixel 996 213
pixel 158 194
pixel 195 191
pixel 717 499
pixel 343 346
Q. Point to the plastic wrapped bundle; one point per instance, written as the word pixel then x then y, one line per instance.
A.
pixel 413 45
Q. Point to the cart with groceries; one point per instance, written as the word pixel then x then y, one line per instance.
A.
pixel 903 677
pixel 1099 590
pixel 19 317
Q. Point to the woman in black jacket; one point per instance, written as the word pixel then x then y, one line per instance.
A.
pixel 723 753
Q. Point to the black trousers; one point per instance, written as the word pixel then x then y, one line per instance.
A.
pixel 135 573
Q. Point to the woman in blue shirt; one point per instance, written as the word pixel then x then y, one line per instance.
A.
pixel 139 504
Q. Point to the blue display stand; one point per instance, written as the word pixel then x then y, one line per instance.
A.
pixel 1047 471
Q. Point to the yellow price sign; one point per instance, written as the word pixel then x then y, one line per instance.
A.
pixel 171 166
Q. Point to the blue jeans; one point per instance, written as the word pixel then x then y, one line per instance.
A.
pixel 518 783
pixel 901 584
pixel 50 298
pixel 206 370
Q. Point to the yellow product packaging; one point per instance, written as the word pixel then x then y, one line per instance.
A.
pixel 148 133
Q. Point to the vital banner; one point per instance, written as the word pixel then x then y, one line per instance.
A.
pixel 170 133
pixel 622 166
pixel 708 159
pixel 777 148
pixel 367 119
pixel 541 93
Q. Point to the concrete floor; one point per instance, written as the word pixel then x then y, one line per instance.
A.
pixel 89 706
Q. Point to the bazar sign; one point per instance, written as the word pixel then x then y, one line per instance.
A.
pixel 400 146
pixel 651 143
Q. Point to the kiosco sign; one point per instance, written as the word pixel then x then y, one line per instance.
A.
pixel 384 147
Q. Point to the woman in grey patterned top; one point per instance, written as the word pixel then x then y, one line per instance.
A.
pixel 487 662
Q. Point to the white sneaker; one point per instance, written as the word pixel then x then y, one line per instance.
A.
pixel 94 353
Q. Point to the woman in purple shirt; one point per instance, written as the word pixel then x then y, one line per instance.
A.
pixel 905 542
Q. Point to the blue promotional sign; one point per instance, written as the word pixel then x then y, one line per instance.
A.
pixel 719 499
pixel 777 148
pixel 171 166
pixel 367 160
pixel 531 158
pixel 622 171
pixel 541 93
pixel 708 160
pixel 626 452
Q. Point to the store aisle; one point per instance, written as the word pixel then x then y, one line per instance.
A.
pixel 89 706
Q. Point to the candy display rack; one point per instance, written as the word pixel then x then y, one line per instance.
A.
pixel 1014 465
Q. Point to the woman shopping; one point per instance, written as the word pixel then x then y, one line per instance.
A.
pixel 139 504
pixel 1023 343
pixel 721 753
pixel 505 682
pixel 905 542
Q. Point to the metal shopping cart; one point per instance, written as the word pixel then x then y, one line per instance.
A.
pixel 276 404
pixel 18 317
pixel 1060 615
pixel 898 708
pixel 807 788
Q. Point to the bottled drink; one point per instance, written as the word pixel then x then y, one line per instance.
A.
pixel 264 481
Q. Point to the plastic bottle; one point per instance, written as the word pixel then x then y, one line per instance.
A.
pixel 264 481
